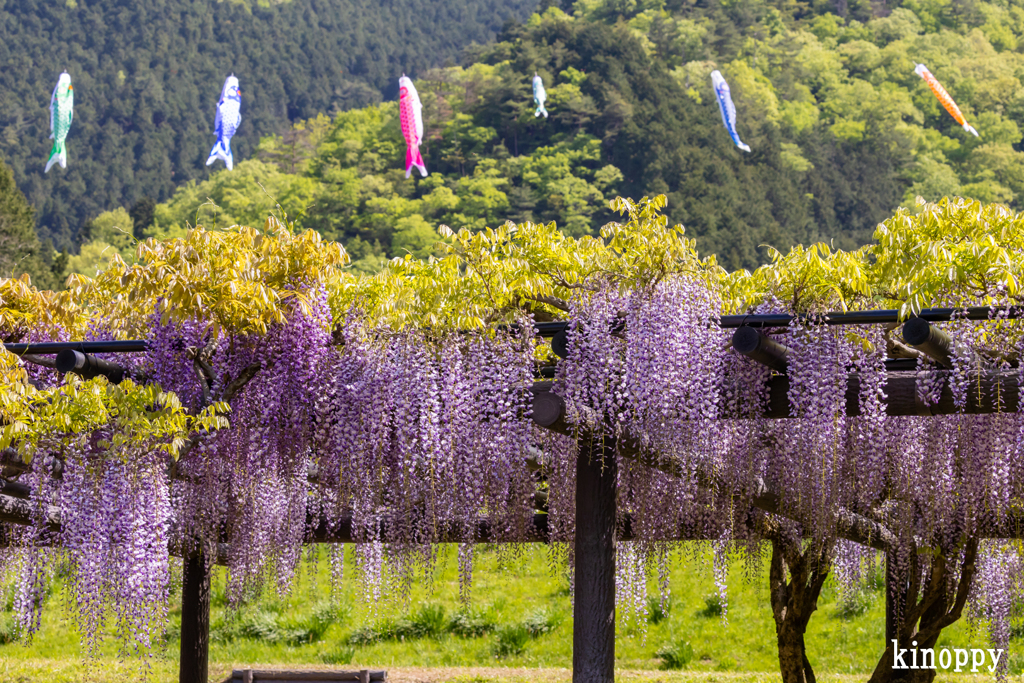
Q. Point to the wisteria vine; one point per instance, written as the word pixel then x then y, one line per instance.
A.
pixel 410 437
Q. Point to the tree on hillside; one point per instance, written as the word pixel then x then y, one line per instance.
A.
pixel 841 128
pixel 141 213
pixel 112 232
pixel 20 249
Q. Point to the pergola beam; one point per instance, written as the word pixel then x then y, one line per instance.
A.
pixel 549 412
pixel 875 317
pixel 991 392
pixel 758 346
pixel 88 366
pixel 331 530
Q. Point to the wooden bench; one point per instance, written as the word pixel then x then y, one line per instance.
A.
pixel 256 675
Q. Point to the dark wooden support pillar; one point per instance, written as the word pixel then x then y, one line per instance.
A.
pixel 593 638
pixel 195 621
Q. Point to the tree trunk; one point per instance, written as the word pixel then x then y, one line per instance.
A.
pixel 926 612
pixel 793 603
pixel 792 654
pixel 895 598
pixel 593 637
pixel 193 659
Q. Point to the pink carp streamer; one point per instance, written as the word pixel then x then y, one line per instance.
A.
pixel 411 113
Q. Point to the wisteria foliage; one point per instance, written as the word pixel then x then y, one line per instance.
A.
pixel 651 371
pixel 412 438
pixel 341 416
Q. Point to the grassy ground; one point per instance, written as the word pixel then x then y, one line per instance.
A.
pixel 67 672
pixel 518 628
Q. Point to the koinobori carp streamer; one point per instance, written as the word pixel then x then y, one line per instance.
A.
pixel 727 108
pixel 229 117
pixel 944 97
pixel 411 114
pixel 62 105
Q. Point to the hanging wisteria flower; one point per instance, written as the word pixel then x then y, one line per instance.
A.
pixel 115 516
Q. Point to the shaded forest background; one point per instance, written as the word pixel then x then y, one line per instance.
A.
pixel 842 129
pixel 147 75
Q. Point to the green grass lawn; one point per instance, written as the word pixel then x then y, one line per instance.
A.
pixel 519 617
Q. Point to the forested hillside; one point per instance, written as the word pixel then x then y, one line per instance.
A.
pixel 147 75
pixel 842 129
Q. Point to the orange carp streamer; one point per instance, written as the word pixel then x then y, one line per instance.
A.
pixel 944 97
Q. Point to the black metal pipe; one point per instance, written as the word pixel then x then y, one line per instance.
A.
pixel 129 346
pixel 551 328
pixel 555 327
pixel 934 343
pixel 88 366
pixel 884 315
pixel 758 346
pixel 875 317
pixel 560 344
pixel 929 340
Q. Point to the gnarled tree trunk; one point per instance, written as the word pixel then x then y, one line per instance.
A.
pixel 794 601
pixel 926 612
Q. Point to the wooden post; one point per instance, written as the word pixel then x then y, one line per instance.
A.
pixel 195 621
pixel 593 638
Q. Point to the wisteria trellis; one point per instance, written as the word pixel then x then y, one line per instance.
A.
pixel 403 430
